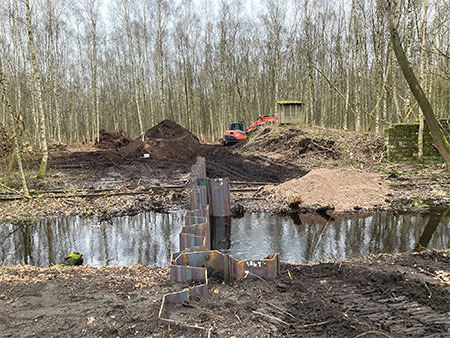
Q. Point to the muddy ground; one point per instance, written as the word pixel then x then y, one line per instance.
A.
pixel 385 296
pixel 113 177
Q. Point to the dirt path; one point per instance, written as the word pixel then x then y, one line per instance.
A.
pixel 387 296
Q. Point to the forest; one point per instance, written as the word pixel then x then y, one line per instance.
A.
pixel 128 64
pixel 140 223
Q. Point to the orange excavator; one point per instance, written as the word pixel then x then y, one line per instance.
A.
pixel 236 131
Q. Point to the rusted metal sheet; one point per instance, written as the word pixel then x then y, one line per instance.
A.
pixel 214 261
pixel 195 220
pixel 268 268
pixel 182 273
pixel 196 229
pixel 219 197
pixel 230 268
pixel 163 315
pixel 188 241
pixel 199 197
pixel 201 212
pixel 195 260
pixel 198 170
pixel 236 268
pixel 220 229
pixel 198 182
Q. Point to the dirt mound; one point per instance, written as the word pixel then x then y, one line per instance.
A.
pixel 292 140
pixel 314 147
pixel 167 129
pixel 165 140
pixel 112 140
pixel 346 190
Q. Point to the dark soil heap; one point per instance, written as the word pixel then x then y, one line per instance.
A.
pixel 112 140
pixel 165 140
pixel 325 147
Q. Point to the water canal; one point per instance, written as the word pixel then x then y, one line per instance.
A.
pixel 149 238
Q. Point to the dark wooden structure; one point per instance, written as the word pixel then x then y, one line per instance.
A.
pixel 290 111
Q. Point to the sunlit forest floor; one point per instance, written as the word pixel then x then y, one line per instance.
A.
pixel 114 178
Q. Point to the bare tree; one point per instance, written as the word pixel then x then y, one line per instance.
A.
pixel 436 133
pixel 37 87
pixel 16 142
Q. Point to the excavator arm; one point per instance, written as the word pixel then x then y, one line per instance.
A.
pixel 235 134
pixel 260 120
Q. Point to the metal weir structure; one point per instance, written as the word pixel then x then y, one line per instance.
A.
pixel 210 199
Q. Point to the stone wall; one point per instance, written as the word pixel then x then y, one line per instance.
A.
pixel 401 143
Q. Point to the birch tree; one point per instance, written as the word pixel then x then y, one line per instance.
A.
pixel 37 88
pixel 15 138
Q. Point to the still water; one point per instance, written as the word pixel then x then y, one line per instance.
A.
pixel 149 238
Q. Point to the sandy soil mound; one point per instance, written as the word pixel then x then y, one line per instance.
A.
pixel 112 140
pixel 165 140
pixel 346 190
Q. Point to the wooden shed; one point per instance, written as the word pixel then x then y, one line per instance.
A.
pixel 290 111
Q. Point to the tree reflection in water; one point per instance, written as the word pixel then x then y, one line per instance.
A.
pixel 149 238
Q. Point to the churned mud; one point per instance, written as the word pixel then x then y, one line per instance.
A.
pixel 385 296
pixel 120 175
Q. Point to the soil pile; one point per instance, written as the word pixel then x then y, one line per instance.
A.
pixel 112 140
pixel 318 147
pixel 293 140
pixel 165 140
pixel 346 190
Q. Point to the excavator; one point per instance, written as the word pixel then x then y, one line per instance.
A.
pixel 236 131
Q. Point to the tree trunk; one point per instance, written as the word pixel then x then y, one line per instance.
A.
pixel 13 130
pixel 436 133
pixel 37 87
pixel 422 78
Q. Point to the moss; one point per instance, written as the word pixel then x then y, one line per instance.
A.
pixel 401 144
pixel 73 259
pixel 24 220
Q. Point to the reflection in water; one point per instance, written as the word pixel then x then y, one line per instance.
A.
pixel 148 238
pixel 436 218
pixel 220 233
pixel 256 235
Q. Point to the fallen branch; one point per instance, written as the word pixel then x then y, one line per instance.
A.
pixel 104 193
pixel 281 310
pixel 271 317
pixel 289 274
pixel 372 332
pixel 15 191
pixel 253 275
pixel 314 324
